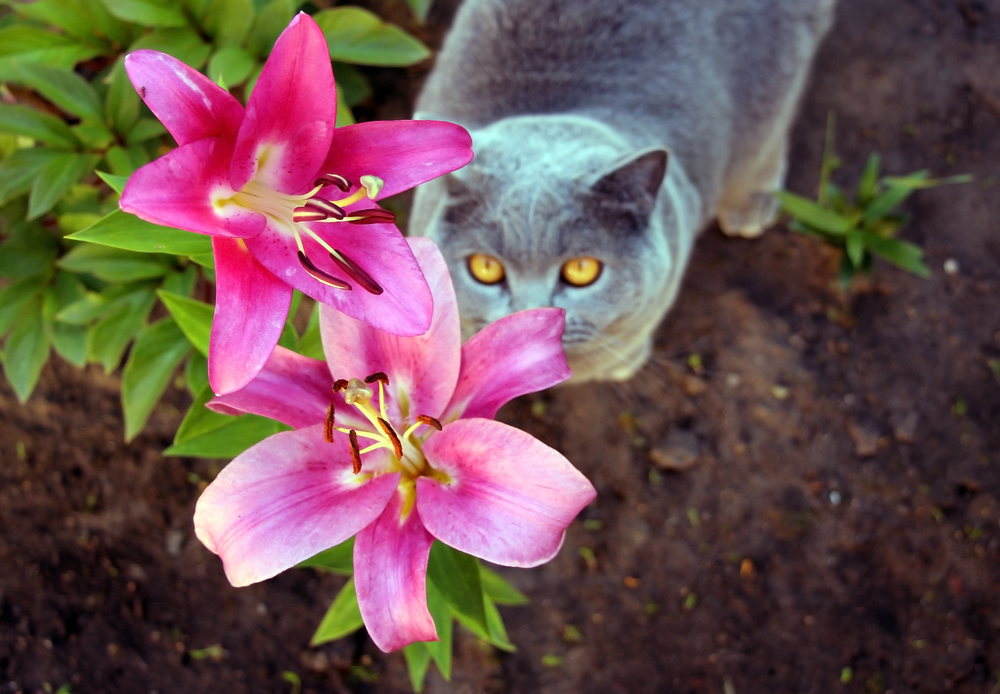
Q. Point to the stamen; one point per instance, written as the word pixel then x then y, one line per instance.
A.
pixel 396 444
pixel 328 425
pixel 377 376
pixel 356 272
pixel 340 384
pixel 373 186
pixel 331 209
pixel 336 179
pixel 355 452
pixel 371 216
pixel 429 421
pixel 319 275
pixel 304 214
pixel 357 392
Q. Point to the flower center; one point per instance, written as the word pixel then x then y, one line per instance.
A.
pixel 293 211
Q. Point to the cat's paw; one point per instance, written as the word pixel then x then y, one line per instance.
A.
pixel 751 218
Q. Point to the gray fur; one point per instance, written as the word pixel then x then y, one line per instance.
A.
pixel 571 104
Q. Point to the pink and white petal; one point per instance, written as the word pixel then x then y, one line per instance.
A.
pixel 510 498
pixel 423 370
pixel 186 189
pixel 288 125
pixel 251 306
pixel 390 576
pixel 520 353
pixel 403 153
pixel 286 499
pixel 189 104
pixel 292 389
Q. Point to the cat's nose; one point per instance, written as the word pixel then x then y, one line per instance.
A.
pixel 529 295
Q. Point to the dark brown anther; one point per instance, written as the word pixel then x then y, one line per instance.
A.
pixel 397 447
pixel 328 425
pixel 355 452
pixel 371 216
pixel 340 384
pixel 429 421
pixel 304 214
pixel 319 275
pixel 334 179
pixel 378 376
pixel 326 207
pixel 356 273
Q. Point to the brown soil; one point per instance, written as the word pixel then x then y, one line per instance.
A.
pixel 837 529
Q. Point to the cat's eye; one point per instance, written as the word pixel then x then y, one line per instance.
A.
pixel 486 269
pixel 579 272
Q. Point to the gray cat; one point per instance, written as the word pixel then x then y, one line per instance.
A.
pixel 607 134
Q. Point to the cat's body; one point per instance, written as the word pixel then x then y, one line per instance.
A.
pixel 576 107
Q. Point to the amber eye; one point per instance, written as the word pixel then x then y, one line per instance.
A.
pixel 579 272
pixel 486 269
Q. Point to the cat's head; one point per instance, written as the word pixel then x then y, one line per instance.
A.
pixel 559 211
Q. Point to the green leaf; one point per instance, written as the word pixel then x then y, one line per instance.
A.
pixel 233 65
pixel 343 617
pixel 29 249
pixel 830 161
pixel 456 575
pixel 310 343
pixel 181 282
pixel 128 232
pixel 18 171
pixel 196 373
pixel 113 264
pixel 15 298
pixel 207 434
pixel 344 114
pixel 855 247
pixel 498 633
pixel 157 353
pixel 152 13
pixel 868 183
pixel 183 44
pixel 70 341
pixel 143 130
pixel 117 183
pixel 418 660
pixel 20 44
pixel 270 22
pixel 87 20
pixel 95 305
pixel 441 613
pixel 122 101
pixel 193 317
pixel 900 253
pixel 420 8
pixel 107 340
pixel 55 179
pixel 498 590
pixel 355 35
pixel 352 83
pixel 229 21
pixel 21 120
pixel 808 212
pixel 339 559
pixel 62 87
pixel 26 351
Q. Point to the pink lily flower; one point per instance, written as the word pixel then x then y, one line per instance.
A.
pixel 422 459
pixel 283 194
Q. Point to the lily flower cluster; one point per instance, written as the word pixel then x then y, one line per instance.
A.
pixel 282 193
pixel 435 464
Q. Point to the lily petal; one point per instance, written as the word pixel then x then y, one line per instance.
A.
pixel 403 153
pixel 289 121
pixel 424 368
pixel 251 306
pixel 286 499
pixel 520 353
pixel 189 104
pixel 510 497
pixel 390 576
pixel 178 189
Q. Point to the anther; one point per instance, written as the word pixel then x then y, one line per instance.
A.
pixel 319 275
pixel 357 391
pixel 397 446
pixel 429 421
pixel 331 209
pixel 356 273
pixel 355 452
pixel 340 384
pixel 370 216
pixel 328 425
pixel 378 376
pixel 335 179
pixel 372 185
pixel 304 214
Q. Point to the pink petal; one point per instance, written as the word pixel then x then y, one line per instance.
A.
pixel 284 500
pixel 423 368
pixel 520 353
pixel 178 189
pixel 390 576
pixel 251 306
pixel 405 303
pixel 290 117
pixel 402 153
pixel 189 104
pixel 292 389
pixel 510 499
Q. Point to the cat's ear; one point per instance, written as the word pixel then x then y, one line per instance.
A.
pixel 635 181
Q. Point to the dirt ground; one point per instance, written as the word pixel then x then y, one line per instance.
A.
pixel 836 531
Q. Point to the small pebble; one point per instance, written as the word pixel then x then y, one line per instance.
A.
pixel 835 498
pixel 951 266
